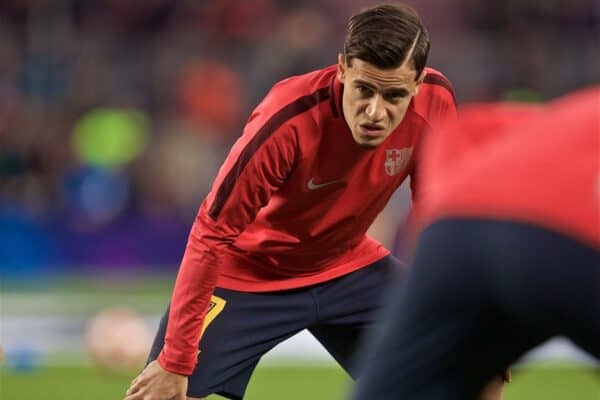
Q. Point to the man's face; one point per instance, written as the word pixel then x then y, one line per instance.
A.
pixel 375 100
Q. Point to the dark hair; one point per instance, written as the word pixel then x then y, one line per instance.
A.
pixel 385 36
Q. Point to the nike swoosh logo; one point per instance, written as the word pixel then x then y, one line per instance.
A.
pixel 314 186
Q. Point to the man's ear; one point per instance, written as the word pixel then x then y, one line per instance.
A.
pixel 420 80
pixel 341 68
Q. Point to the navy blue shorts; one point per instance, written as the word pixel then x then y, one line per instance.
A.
pixel 245 326
pixel 480 294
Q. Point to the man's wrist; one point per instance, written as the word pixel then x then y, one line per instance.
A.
pixel 175 367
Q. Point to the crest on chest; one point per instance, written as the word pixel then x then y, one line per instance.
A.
pixel 396 160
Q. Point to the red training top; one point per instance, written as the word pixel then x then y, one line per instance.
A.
pixel 291 205
pixel 538 165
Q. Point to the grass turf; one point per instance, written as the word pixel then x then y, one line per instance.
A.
pixel 270 383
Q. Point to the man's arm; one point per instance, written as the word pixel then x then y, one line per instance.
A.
pixel 257 165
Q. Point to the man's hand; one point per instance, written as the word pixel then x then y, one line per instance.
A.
pixel 156 383
pixel 493 390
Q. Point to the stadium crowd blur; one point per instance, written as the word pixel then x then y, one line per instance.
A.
pixel 116 114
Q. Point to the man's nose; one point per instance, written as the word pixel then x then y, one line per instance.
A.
pixel 375 108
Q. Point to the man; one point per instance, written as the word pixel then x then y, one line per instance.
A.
pixel 510 252
pixel 279 244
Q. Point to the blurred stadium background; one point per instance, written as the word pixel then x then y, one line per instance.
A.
pixel 116 114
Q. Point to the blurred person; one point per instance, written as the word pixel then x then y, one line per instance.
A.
pixel 185 161
pixel 519 39
pixel 240 21
pixel 509 255
pixel 205 88
pixel 291 49
pixel 279 244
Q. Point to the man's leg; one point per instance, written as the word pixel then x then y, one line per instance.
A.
pixel 453 326
pixel 549 282
pixel 246 327
pixel 348 308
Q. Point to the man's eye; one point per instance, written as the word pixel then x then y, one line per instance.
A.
pixel 363 90
pixel 396 95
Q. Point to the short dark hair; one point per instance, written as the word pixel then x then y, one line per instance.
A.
pixel 385 35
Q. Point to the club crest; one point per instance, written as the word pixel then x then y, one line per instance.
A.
pixel 396 160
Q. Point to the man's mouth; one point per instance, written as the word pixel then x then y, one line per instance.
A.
pixel 372 130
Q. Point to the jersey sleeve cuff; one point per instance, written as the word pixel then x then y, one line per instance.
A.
pixel 182 366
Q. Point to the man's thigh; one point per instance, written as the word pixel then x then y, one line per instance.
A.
pixel 470 306
pixel 550 283
pixel 349 307
pixel 239 328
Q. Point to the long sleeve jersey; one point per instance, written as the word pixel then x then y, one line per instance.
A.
pixel 533 164
pixel 292 202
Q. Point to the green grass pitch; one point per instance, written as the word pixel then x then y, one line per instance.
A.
pixel 290 383
pixel 85 296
